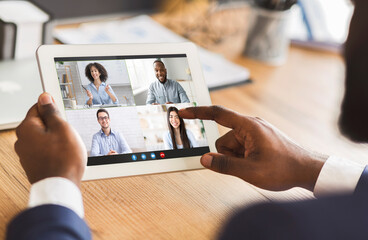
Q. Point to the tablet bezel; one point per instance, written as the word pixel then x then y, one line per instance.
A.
pixel 47 53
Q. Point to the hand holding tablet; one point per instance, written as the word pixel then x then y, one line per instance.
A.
pixel 117 98
pixel 39 155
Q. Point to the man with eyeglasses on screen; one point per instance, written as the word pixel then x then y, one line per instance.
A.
pixel 106 141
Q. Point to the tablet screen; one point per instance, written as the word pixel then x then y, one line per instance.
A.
pixel 125 107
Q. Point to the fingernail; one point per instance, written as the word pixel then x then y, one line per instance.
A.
pixel 207 161
pixel 46 99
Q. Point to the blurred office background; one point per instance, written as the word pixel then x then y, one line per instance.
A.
pixel 213 20
pixel 220 26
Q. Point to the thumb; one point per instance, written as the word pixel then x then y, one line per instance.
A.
pixel 220 163
pixel 48 111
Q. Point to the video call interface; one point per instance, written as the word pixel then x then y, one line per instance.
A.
pixel 125 108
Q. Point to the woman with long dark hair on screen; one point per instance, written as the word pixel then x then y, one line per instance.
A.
pixel 178 136
pixel 98 92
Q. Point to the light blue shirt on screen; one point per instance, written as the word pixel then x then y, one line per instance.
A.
pixel 169 144
pixel 170 91
pixel 100 96
pixel 102 144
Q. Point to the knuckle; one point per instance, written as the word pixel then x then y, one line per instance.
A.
pixel 216 110
pixel 19 148
pixel 258 123
pixel 221 164
pixel 218 143
pixel 49 110
pixel 18 130
pixel 262 122
pixel 195 111
pixel 22 129
pixel 53 117
pixel 16 146
pixel 259 119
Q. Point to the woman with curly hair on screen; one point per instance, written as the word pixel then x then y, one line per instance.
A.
pixel 98 92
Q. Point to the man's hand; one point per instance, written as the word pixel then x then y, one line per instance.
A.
pixel 48 146
pixel 257 152
pixel 112 152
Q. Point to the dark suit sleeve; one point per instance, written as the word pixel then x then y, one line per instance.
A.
pixel 334 217
pixel 263 221
pixel 47 222
pixel 362 186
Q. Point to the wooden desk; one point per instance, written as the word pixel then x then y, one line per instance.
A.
pixel 302 98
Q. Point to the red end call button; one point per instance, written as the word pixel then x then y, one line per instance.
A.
pixel 162 155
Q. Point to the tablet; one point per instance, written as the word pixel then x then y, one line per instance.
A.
pixel 123 99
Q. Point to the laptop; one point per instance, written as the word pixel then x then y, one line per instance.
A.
pixel 20 86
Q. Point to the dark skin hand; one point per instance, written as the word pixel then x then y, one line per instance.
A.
pixel 48 146
pixel 257 152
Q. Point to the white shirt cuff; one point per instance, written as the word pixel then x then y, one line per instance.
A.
pixel 337 175
pixel 59 191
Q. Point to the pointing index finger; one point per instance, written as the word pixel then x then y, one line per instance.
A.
pixel 221 115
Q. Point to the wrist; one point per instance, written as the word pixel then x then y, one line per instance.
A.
pixel 310 168
pixel 74 173
pixel 73 176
